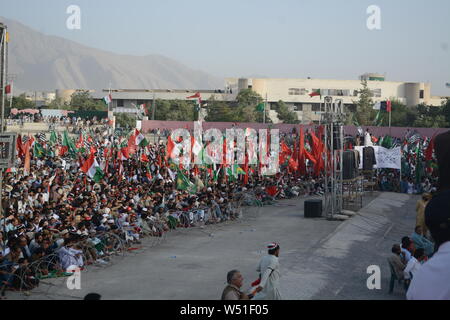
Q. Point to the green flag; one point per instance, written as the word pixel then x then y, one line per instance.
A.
pixel 99 175
pixel 261 107
pixel 183 183
pixel 419 166
pixel 67 142
pixel 38 151
pixel 53 138
pixel 387 142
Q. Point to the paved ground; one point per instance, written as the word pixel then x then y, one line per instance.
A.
pixel 319 259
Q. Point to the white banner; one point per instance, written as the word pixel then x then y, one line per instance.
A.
pixel 386 158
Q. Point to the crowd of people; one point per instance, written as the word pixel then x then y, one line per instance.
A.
pixel 56 216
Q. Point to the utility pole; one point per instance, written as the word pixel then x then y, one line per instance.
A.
pixel 3 30
pixel 153 106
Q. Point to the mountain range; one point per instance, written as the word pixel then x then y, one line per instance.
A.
pixel 45 63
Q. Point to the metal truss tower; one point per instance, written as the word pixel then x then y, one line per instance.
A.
pixel 333 120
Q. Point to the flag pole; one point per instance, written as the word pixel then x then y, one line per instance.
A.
pixel 264 115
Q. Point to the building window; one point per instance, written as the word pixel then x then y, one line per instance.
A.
pixel 315 107
pixel 376 93
pixel 139 102
pixel 296 91
pixel 120 103
pixel 421 94
pixel 298 107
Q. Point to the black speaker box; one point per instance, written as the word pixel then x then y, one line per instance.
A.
pixel 313 208
pixel 349 169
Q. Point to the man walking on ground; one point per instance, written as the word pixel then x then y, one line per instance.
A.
pixel 269 270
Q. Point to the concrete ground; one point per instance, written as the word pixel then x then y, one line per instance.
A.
pixel 319 259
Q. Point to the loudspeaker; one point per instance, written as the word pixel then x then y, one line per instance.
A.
pixel 313 208
pixel 368 158
pixel 348 166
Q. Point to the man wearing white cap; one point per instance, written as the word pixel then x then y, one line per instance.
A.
pixel 269 270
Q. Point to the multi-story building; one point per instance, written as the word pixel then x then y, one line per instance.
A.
pixel 294 92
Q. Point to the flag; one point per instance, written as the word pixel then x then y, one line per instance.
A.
pixel 144 158
pixel 132 144
pixel 196 96
pixel 315 93
pixel 140 139
pixel 68 143
pixel 99 175
pixel 429 151
pixel 8 89
pixel 378 118
pixel 183 183
pixel 89 167
pixel 377 105
pixel 107 99
pixel 27 157
pixel 261 107
pixel 7 37
pixel 38 150
pixel 386 142
pixel 19 146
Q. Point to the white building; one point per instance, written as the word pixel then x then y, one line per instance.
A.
pixel 295 92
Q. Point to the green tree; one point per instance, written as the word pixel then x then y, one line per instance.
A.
pixel 21 102
pixel 125 120
pixel 284 114
pixel 430 117
pixel 58 103
pixel 446 110
pixel 401 115
pixel 247 101
pixel 364 113
pixel 83 101
pixel 220 111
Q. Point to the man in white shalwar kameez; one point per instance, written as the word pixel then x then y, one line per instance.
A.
pixel 269 270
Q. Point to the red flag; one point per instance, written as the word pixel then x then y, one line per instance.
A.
pixel 132 144
pixel 293 164
pixel 272 190
pixel 301 153
pixel 19 146
pixel 388 106
pixel 8 89
pixel 285 149
pixel 170 147
pixel 429 151
pixel 144 158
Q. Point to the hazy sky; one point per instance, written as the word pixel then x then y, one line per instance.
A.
pixel 283 39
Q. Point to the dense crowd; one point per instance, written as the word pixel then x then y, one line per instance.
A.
pixel 53 208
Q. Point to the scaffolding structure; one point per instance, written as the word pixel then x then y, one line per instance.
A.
pixel 333 120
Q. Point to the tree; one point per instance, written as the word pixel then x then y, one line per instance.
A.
pixel 284 114
pixel 125 120
pixel 21 102
pixel 430 117
pixel 220 111
pixel 401 115
pixel 446 110
pixel 364 112
pixel 58 103
pixel 247 101
pixel 82 100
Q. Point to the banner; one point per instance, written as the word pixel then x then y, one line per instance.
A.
pixel 386 158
